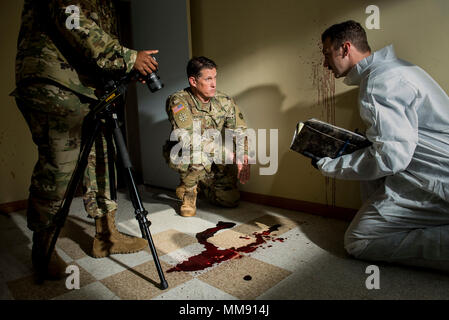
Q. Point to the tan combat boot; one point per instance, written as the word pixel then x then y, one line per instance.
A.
pixel 108 240
pixel 181 189
pixel 41 244
pixel 188 208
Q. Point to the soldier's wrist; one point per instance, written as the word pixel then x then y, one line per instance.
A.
pixel 130 56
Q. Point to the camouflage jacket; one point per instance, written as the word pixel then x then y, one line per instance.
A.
pixel 53 45
pixel 183 109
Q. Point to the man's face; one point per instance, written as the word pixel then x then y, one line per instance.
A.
pixel 336 59
pixel 205 84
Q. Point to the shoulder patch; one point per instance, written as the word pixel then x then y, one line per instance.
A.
pixel 177 108
pixel 239 119
pixel 182 115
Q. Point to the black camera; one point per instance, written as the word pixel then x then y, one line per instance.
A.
pixel 153 82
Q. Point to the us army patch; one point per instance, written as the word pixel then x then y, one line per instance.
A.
pixel 177 108
pixel 239 119
pixel 182 116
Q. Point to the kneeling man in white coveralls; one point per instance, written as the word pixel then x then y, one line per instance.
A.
pixel 404 174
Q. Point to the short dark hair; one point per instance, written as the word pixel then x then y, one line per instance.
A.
pixel 347 31
pixel 196 64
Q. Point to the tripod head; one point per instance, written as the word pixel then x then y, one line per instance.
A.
pixel 116 88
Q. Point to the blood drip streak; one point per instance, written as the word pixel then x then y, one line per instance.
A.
pixel 324 81
pixel 328 98
pixel 212 254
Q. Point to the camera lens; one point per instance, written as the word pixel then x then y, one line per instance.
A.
pixel 154 83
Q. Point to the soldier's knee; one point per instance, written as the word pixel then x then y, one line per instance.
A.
pixel 176 164
pixel 227 198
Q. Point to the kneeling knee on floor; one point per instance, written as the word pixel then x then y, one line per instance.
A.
pixel 228 198
pixel 355 247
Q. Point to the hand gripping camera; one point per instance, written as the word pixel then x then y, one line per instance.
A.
pixel 152 80
pixel 116 88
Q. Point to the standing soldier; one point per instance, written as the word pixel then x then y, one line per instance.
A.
pixel 211 109
pixel 63 52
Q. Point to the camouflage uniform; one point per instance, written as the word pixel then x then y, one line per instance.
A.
pixel 217 181
pixel 58 71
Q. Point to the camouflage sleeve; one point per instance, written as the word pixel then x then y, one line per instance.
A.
pixel 236 122
pixel 179 113
pixel 234 117
pixel 181 119
pixel 89 39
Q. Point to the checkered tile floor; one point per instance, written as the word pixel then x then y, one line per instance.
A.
pixel 309 263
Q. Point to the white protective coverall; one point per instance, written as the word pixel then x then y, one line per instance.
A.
pixel 405 173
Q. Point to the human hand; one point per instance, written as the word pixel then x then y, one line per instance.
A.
pixel 145 63
pixel 243 171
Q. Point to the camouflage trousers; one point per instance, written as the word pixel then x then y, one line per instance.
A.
pixel 218 185
pixel 55 116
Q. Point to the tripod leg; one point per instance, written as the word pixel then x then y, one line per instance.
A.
pixel 60 217
pixel 111 167
pixel 140 212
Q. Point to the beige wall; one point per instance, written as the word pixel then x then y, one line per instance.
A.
pixel 269 59
pixel 17 151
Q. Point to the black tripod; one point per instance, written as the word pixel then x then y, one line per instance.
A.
pixel 101 115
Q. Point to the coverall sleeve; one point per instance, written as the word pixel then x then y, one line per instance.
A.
pixel 89 39
pixel 389 110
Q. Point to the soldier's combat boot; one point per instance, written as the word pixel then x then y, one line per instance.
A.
pixel 41 243
pixel 108 240
pixel 188 208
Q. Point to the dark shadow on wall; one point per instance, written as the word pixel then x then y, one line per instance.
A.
pixel 155 134
pixel 268 100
